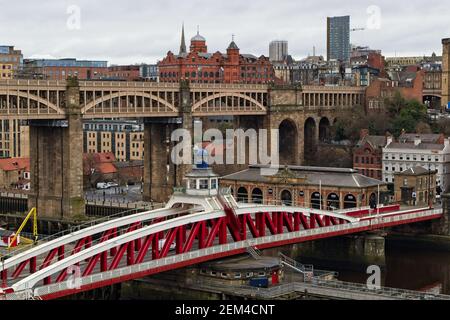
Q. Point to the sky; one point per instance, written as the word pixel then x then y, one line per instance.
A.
pixel 143 31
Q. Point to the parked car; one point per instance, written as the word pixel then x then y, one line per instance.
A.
pixel 112 184
pixel 102 185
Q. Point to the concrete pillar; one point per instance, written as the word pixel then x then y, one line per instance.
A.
pixel 155 163
pixel 57 162
pixel 187 123
pixel 442 226
pixel 445 72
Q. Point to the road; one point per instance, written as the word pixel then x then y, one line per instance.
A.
pixel 121 194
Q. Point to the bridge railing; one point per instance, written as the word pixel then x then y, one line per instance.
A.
pixel 236 247
pixel 74 229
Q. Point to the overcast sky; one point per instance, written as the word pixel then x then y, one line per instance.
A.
pixel 134 31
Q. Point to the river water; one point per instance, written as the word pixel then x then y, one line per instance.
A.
pixel 406 266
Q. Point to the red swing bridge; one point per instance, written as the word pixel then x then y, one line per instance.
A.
pixel 198 224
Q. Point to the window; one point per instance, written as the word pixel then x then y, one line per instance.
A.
pixel 204 184
pixel 405 182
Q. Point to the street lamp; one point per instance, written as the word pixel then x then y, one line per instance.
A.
pixel 429 185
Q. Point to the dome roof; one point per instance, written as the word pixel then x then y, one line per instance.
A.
pixel 198 37
pixel 233 45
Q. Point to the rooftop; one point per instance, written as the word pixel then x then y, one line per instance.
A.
pixel 336 177
pixel 417 171
pixel 12 164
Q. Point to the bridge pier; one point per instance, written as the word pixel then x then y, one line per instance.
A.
pixel 161 175
pixel 441 227
pixel 286 113
pixel 57 162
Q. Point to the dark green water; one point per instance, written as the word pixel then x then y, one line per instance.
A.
pixel 406 266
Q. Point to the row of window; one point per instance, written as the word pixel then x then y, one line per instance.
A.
pixel 413 157
pixel 367 160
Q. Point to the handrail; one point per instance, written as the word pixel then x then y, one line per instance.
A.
pixel 216 249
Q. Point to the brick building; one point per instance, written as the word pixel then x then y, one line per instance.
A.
pixel 11 61
pixel 15 173
pixel 60 69
pixel 416 181
pixel 200 66
pixel 327 188
pixel 409 84
pixel 6 71
pixel 368 155
pixel 123 138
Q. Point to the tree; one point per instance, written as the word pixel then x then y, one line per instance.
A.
pixel 443 126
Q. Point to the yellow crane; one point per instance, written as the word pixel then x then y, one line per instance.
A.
pixel 33 213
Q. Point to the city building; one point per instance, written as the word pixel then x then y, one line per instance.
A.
pixel 278 50
pixel 446 73
pixel 200 66
pixel 149 72
pixel 410 84
pixel 123 138
pixel 424 151
pixel 316 187
pixel 338 38
pixel 415 186
pixel 15 173
pixel 368 155
pixel 432 85
pixel 124 73
pixel 403 61
pixel 6 71
pixel 14 139
pixel 60 69
pixel 10 57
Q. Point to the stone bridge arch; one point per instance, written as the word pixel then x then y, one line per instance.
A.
pixel 142 102
pixel 27 104
pixel 232 102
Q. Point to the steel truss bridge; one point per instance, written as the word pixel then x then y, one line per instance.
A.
pixel 130 247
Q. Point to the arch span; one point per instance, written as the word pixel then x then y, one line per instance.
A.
pixel 288 142
pixel 121 94
pixel 310 139
pixel 35 98
pixel 215 96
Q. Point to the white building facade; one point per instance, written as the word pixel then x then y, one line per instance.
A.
pixel 401 156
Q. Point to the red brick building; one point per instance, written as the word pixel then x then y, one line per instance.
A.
pixel 199 66
pixel 60 69
pixel 367 156
pixel 409 84
pixel 126 73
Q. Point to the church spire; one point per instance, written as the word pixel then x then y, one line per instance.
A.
pixel 183 42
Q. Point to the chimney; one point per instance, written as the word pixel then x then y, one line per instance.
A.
pixel 388 140
pixel 417 140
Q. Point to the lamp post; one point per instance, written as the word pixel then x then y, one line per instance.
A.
pixel 429 185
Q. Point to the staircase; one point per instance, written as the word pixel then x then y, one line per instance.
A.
pixel 293 264
pixel 254 252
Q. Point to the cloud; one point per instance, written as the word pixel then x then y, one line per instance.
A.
pixel 143 31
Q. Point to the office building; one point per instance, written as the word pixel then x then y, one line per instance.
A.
pixel 338 38
pixel 278 50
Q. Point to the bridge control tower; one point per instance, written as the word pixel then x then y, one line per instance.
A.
pixel 201 188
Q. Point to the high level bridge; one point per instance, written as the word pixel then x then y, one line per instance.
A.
pixel 196 225
pixel 55 111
